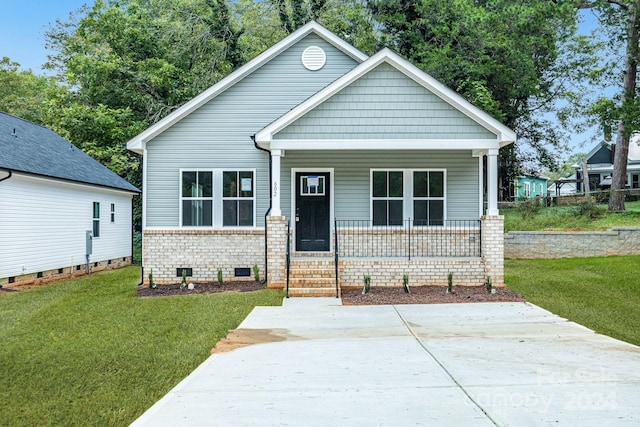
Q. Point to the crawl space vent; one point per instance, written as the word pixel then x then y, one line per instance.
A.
pixel 313 58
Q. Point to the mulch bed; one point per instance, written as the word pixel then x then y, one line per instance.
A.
pixel 376 296
pixel 200 288
pixel 427 295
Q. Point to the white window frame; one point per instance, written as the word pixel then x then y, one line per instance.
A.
pixel 527 189
pixel 181 198
pixel 113 212
pixel 217 198
pixel 95 225
pixel 220 221
pixel 407 191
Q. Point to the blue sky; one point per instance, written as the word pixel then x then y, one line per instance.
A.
pixel 24 22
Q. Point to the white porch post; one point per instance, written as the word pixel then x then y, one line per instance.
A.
pixel 492 182
pixel 275 182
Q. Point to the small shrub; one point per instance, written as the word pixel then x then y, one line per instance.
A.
pixel 405 282
pixel 528 208
pixel 256 273
pixel 367 284
pixel 220 276
pixel 184 278
pixel 488 284
pixel 449 282
pixel 152 284
pixel 588 210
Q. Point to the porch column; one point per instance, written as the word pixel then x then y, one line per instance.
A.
pixel 492 182
pixel 275 182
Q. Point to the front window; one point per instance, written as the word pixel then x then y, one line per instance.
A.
pixel 408 194
pixel 237 198
pixel 388 194
pixel 197 198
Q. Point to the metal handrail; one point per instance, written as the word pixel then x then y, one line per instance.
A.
pixel 335 240
pixel 288 254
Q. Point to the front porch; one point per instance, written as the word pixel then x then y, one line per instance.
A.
pixel 471 250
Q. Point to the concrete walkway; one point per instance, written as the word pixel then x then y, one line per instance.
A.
pixel 323 364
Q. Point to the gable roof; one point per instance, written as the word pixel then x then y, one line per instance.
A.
pixel 504 135
pixel 137 143
pixel 33 149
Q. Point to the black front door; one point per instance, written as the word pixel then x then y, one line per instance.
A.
pixel 312 211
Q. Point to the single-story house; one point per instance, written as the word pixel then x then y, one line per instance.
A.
pixel 564 186
pixel 529 186
pixel 53 195
pixel 318 164
pixel 600 166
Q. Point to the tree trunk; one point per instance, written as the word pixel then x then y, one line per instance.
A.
pixel 618 179
pixel 585 180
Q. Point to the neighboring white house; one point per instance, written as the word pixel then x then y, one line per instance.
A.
pixel 377 168
pixel 51 195
pixel 563 186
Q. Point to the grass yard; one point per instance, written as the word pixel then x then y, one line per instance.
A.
pixel 88 351
pixel 524 218
pixel 602 294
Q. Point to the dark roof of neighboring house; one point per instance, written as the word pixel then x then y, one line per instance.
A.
pixel 33 149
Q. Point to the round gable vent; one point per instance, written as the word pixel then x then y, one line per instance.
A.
pixel 313 58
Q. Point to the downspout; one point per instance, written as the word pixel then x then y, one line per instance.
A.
pixel 266 242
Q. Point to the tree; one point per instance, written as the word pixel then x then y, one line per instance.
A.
pixel 621 18
pixel 502 56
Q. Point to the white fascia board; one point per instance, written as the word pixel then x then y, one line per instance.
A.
pixel 476 145
pixel 504 135
pixel 135 144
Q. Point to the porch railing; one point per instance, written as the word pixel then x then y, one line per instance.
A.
pixel 411 239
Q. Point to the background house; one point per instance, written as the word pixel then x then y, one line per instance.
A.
pixel 529 186
pixel 600 166
pixel 51 194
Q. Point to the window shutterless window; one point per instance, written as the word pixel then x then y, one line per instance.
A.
pixel 196 198
pixel 96 219
pixel 415 194
pixel 113 212
pixel 238 198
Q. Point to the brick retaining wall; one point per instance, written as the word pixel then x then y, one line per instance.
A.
pixel 561 244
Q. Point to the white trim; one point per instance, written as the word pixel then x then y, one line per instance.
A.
pixel 504 135
pixel 136 143
pixel 145 171
pixel 331 202
pixel 480 186
pixel 384 144
pixel 181 198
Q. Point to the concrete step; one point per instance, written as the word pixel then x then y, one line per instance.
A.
pixel 311 292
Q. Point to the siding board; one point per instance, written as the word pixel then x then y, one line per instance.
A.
pixel 218 135
pixel 382 104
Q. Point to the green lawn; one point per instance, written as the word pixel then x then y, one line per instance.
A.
pixel 602 294
pixel 569 217
pixel 88 351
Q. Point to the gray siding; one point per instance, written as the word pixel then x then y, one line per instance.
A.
pixel 384 103
pixel 352 177
pixel 218 135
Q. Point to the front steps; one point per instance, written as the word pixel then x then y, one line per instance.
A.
pixel 312 277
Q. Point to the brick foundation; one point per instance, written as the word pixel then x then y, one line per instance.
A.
pixel 204 251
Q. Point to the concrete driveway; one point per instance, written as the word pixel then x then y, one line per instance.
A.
pixel 319 363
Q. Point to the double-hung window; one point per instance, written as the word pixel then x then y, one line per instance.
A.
pixel 398 195
pixel 237 198
pixel 197 198
pixel 96 219
pixel 428 197
pixel 387 197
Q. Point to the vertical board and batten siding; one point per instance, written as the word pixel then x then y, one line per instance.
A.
pixel 352 177
pixel 384 104
pixel 218 134
pixel 43 224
